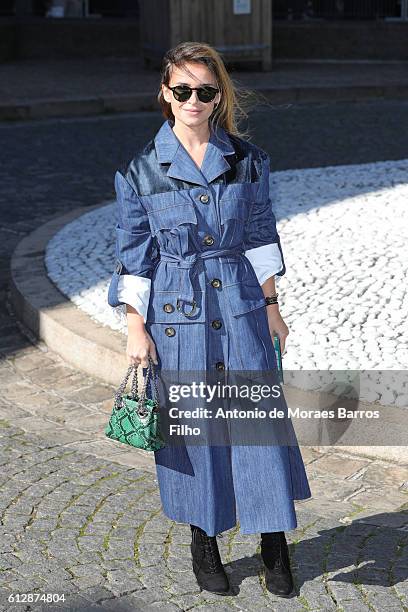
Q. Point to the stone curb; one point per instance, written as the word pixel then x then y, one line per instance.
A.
pixel 130 103
pixel 46 311
pixel 100 351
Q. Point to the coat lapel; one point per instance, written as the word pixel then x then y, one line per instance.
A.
pixel 170 150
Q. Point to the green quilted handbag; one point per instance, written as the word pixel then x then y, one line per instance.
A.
pixel 135 420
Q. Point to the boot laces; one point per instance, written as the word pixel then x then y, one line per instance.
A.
pixel 209 548
pixel 211 552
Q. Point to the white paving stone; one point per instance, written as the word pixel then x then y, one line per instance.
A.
pixel 344 234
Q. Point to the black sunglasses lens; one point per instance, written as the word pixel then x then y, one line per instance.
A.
pixel 206 94
pixel 182 93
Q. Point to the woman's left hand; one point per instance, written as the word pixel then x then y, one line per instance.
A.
pixel 277 325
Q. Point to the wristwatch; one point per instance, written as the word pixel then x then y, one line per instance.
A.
pixel 271 299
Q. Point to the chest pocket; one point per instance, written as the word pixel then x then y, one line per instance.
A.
pixel 235 202
pixel 169 211
pixel 233 209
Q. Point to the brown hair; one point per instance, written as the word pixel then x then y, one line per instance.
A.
pixel 231 107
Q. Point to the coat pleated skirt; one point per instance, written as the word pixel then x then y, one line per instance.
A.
pixel 213 486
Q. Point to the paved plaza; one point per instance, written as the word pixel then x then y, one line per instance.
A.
pixel 91 527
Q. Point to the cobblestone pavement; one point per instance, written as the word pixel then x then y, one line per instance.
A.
pixel 91 528
pixel 90 525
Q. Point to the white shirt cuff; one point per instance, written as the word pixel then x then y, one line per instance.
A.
pixel 266 261
pixel 135 291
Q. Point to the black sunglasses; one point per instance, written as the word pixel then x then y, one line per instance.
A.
pixel 183 92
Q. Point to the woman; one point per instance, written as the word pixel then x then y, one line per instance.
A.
pixel 197 250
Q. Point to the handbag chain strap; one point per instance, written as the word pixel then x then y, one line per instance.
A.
pixel 151 371
pixel 134 392
pixel 120 391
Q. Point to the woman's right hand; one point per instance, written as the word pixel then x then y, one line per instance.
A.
pixel 139 346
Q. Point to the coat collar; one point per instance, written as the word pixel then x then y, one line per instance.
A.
pixel 170 150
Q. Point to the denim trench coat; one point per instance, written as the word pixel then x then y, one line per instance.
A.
pixel 186 228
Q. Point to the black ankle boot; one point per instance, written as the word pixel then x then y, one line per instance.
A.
pixel 275 555
pixel 207 566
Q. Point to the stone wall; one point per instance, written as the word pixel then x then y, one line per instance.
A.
pixel 70 38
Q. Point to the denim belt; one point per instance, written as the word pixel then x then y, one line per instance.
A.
pixel 189 265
